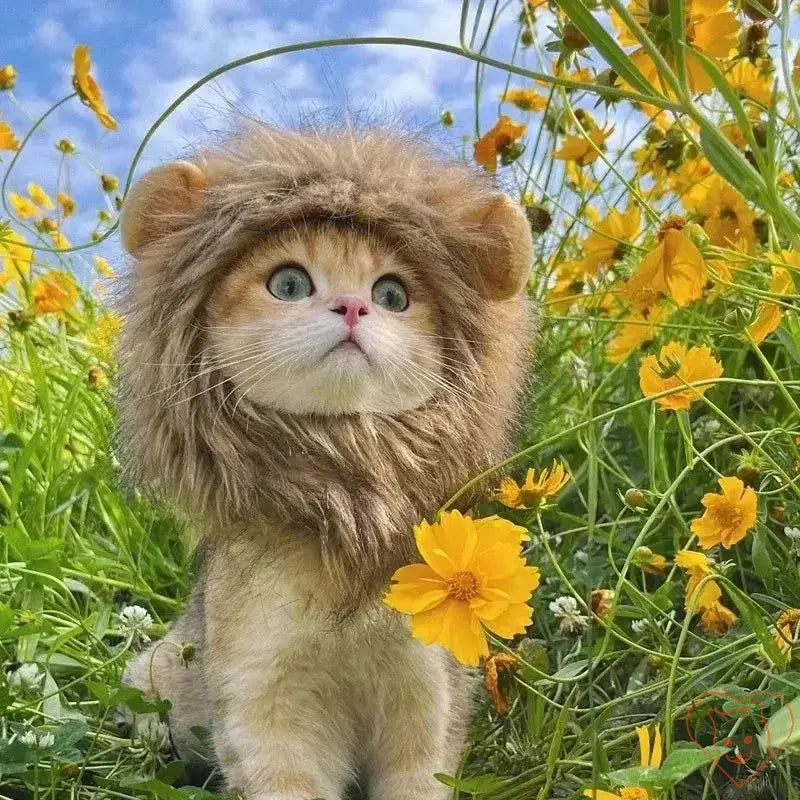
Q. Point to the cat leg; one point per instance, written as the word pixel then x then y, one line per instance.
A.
pixel 282 723
pixel 421 724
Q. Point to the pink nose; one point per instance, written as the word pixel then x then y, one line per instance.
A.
pixel 350 307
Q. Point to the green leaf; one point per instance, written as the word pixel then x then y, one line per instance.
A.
pixel 782 728
pixel 762 563
pixel 752 615
pixel 680 763
pixel 477 785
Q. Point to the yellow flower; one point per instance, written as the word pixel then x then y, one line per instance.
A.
pixel 675 268
pixel 525 99
pixel 66 203
pixel 474 578
pixel 8 141
pixel 728 516
pixel 717 619
pixel 584 150
pixel 8 77
pixel 634 332
pixel 610 241
pixel 697 567
pixel 493 667
pixel 493 142
pixel 40 196
pixel 648 757
pixel 15 256
pixel 534 490
pixel 87 88
pixel 675 367
pixel 769 314
pixel 648 561
pixel 103 267
pixel 787 630
pixel 60 242
pixel 23 207
pixel 106 332
pixel 729 220
pixel 54 293
pixel 750 82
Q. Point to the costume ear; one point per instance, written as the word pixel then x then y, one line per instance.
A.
pixel 153 206
pixel 505 248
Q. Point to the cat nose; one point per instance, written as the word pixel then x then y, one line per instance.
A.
pixel 351 308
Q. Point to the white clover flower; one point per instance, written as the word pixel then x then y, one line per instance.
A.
pixel 136 621
pixel 570 620
pixel 639 626
pixel 42 741
pixel 25 678
pixel 793 535
pixel 705 429
pixel 153 734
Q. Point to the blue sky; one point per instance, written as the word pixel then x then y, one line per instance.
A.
pixel 146 52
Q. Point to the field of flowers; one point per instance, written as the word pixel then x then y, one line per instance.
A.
pixel 655 494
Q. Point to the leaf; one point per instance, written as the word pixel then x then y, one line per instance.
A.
pixel 762 563
pixel 782 727
pixel 477 785
pixel 751 614
pixel 648 777
pixel 680 763
pixel 127 696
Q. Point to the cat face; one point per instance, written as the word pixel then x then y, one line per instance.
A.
pixel 326 321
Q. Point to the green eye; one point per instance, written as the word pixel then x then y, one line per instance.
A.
pixel 290 282
pixel 390 294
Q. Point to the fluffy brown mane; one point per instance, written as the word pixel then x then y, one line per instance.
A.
pixel 358 483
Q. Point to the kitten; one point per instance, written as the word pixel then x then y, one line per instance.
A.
pixel 326 334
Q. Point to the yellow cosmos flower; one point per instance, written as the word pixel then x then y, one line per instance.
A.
pixel 103 267
pixel 40 196
pixel 610 241
pixel 16 257
pixel 698 566
pixel 54 293
pixel 525 99
pixel 717 619
pixel 87 88
pixel 634 332
pixel 534 490
pixel 750 82
pixel 675 268
pixel 583 150
pixel 8 77
pixel 728 218
pixel 493 142
pixel 769 314
pixel 728 516
pixel 474 578
pixel 66 203
pixel 649 756
pixel 8 141
pixel 675 367
pixel 23 207
pixel 787 630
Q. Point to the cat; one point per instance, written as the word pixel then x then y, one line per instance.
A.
pixel 326 335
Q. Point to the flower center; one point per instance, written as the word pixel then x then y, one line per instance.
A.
pixel 633 793
pixel 729 517
pixel 463 586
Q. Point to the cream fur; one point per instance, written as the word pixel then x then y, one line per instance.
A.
pixel 310 681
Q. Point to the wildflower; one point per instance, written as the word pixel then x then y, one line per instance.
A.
pixel 787 630
pixel 23 207
pixel 675 367
pixel 648 561
pixel 634 332
pixel 675 268
pixel 41 741
pixel 525 99
pixel 8 141
pixel 54 293
pixel 728 218
pixel 87 88
pixel 474 578
pixel 769 314
pixel 697 567
pixel 66 203
pixel 717 619
pixel 136 622
pixel 494 142
pixel 584 150
pixel 15 256
pixel 40 196
pixel 610 241
pixel 8 77
pixel 639 626
pixel 493 667
pixel 103 267
pixel 25 678
pixel 648 757
pixel 106 332
pixel 728 516
pixel 570 619
pixel 533 491
pixel 152 734
pixel 750 82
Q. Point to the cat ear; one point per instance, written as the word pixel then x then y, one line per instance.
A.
pixel 154 205
pixel 505 247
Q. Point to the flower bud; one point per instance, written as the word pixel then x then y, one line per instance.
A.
pixel 526 37
pixel 70 771
pixel 66 146
pixel 572 38
pixel 109 182
pixel 539 218
pixel 188 652
pixel 103 216
pixel 779 513
pixel 634 498
pixel 8 77
pixel 447 118
pixel 118 202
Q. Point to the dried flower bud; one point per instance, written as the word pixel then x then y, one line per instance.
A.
pixel 539 218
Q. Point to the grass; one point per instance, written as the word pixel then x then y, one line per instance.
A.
pixel 613 646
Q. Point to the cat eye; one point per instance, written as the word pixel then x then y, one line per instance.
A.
pixel 290 282
pixel 389 293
